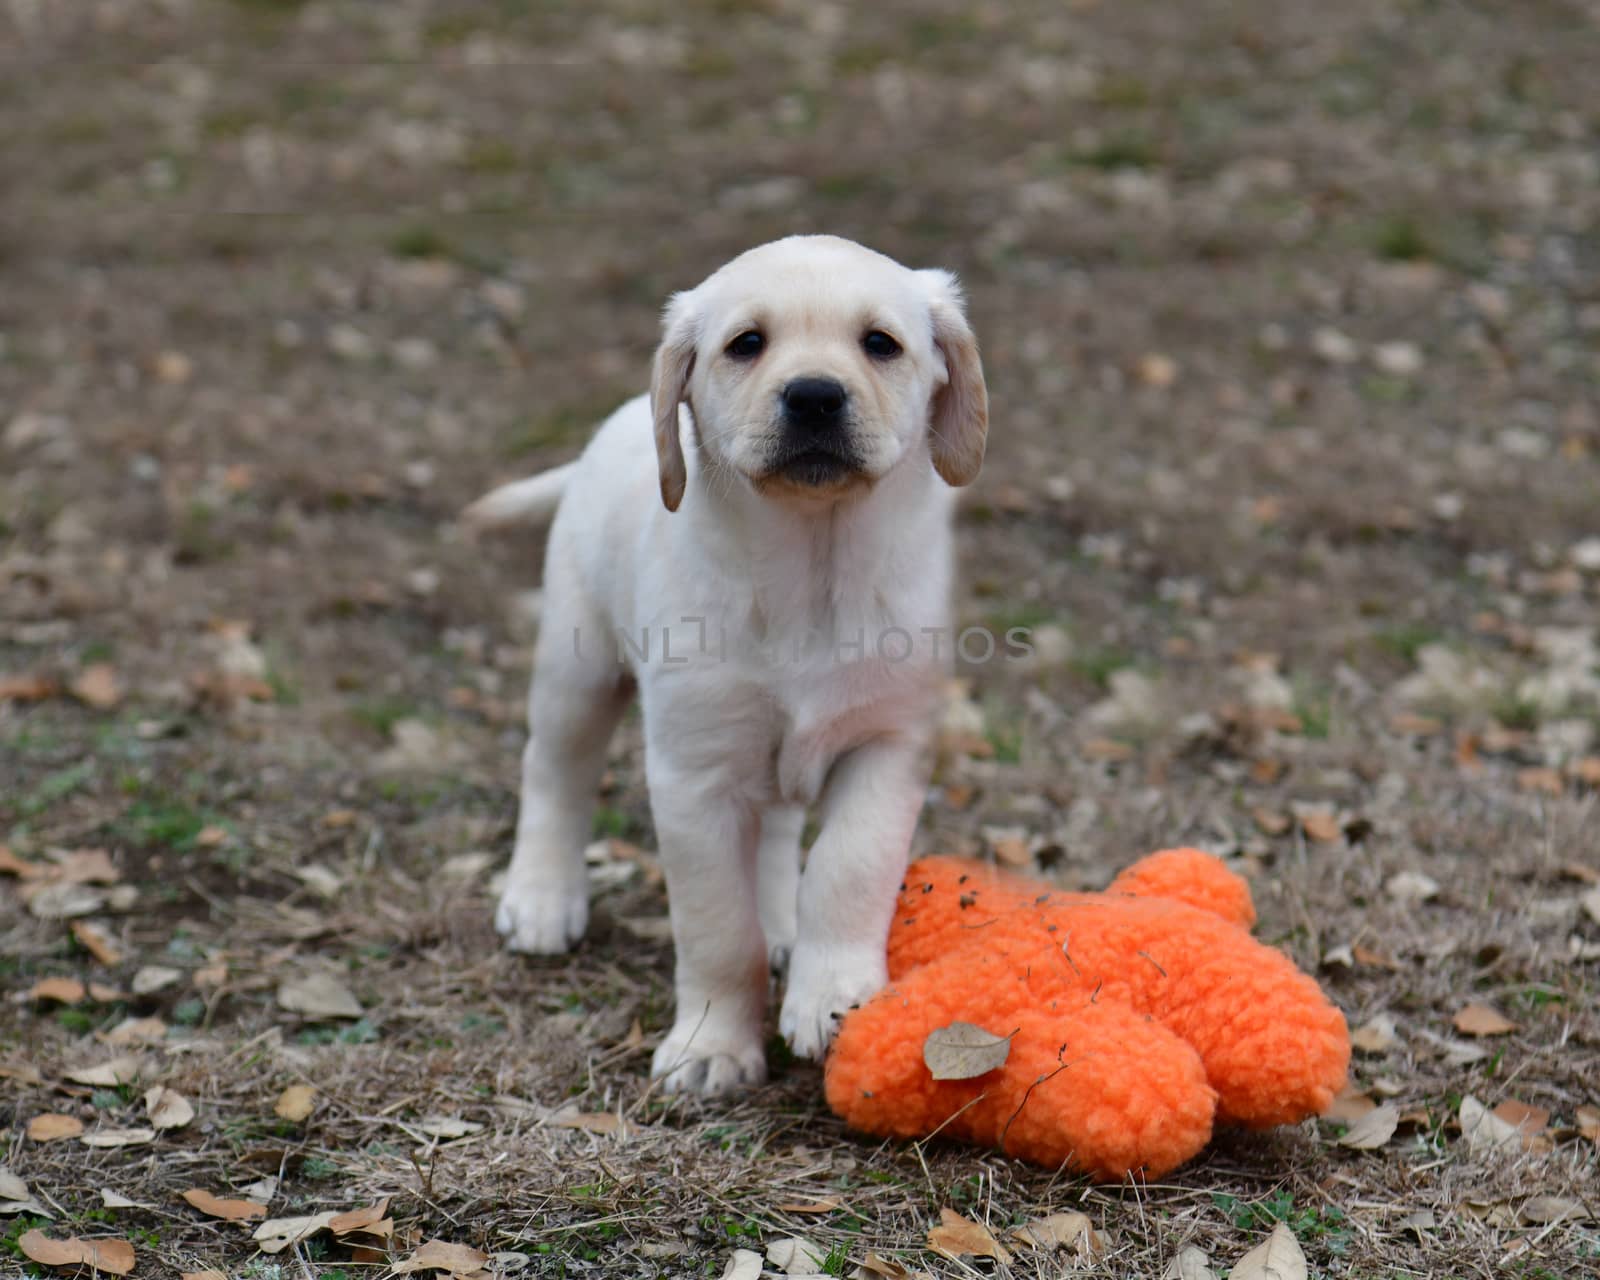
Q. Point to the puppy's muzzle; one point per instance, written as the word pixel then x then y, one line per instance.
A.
pixel 815 449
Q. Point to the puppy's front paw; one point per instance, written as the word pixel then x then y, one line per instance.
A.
pixel 697 1057
pixel 824 984
pixel 540 920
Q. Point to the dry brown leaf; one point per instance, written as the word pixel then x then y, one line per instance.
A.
pixel 1321 825
pixel 885 1268
pixel 113 1256
pixel 210 1274
pixel 277 1234
pixel 1481 1020
pixel 295 1103
pixel 52 1127
pixel 27 688
pixel 1278 1257
pixel 108 1075
pixel 1190 1264
pixel 959 795
pixel 96 686
pixel 97 942
pixel 1415 725
pixel 318 996
pixel 118 1137
pixel 100 993
pixel 1546 782
pixel 1109 750
pixel 85 866
pixel 1528 1120
pixel 1012 851
pixel 167 1108
pixel 1543 1209
pixel 1585 771
pixel 1349 1106
pixel 1375 1036
pixel 60 990
pixel 1371 959
pixel 12 865
pixel 1156 370
pixel 1588 1119
pixel 132 1031
pixel 13 1188
pixel 439 1255
pixel 228 1210
pixel 592 1121
pixel 1486 1132
pixel 957 1237
pixel 359 1219
pixel 1270 821
pixel 152 978
pixel 1071 1229
pixel 962 1051
pixel 1372 1130
pixel 827 1205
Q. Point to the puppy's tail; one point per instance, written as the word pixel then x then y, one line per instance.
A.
pixel 523 502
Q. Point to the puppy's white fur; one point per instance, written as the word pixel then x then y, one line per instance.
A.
pixel 785 632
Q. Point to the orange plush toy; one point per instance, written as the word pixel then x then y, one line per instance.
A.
pixel 1138 1018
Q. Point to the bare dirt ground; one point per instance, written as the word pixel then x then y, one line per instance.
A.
pixel 1291 314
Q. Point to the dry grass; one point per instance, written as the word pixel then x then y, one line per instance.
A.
pixel 285 284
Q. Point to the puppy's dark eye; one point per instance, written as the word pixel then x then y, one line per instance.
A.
pixel 878 343
pixel 747 345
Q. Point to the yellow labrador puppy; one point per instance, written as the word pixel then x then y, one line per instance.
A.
pixel 762 549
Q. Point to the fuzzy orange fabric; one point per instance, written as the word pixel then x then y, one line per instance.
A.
pixel 1138 1017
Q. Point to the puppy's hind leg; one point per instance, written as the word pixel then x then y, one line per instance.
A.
pixel 778 880
pixel 578 694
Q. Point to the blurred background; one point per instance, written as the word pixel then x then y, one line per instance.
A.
pixel 1290 313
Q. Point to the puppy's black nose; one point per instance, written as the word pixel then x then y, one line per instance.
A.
pixel 814 402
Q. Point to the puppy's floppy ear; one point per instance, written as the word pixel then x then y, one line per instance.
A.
pixel 669 384
pixel 959 422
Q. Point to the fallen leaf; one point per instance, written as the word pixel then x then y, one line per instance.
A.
pixel 60 990
pixel 1372 1130
pixel 1061 1229
pixel 263 1189
pixel 1588 1119
pixel 827 1205
pixel 27 688
pixel 153 978
pixel 448 1127
pixel 796 1256
pixel 1012 851
pixel 100 993
pixel 1270 821
pixel 1486 1132
pixel 1376 1036
pixel 167 1108
pixel 962 1051
pixel 957 1237
pixel 1349 1106
pixel 118 1137
pixel 52 1127
pixel 1321 825
pixel 1418 1222
pixel 319 995
pixel 1543 1209
pixel 744 1264
pixel 203 1275
pixel 277 1234
pixel 363 1219
pixel 96 686
pixel 114 1256
pixel 1411 886
pixel 1528 1120
pixel 108 1075
pixel 1156 370
pixel 1278 1257
pixel 116 1200
pixel 1590 902
pixel 295 1103
pixel 1109 750
pixel 885 1268
pixel 229 1210
pixel 460 1259
pixel 134 1031
pixel 1481 1020
pixel 592 1121
pixel 1190 1264
pixel 1545 782
pixel 97 942
pixel 1415 725
pixel 1370 959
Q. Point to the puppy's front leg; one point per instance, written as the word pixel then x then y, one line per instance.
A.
pixel 849 886
pixel 708 852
